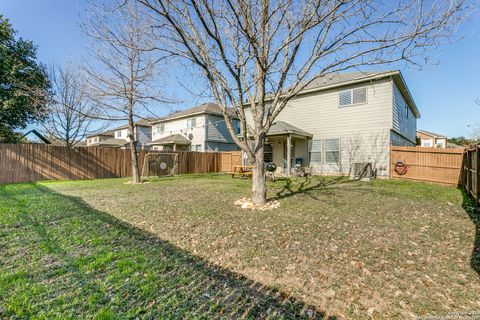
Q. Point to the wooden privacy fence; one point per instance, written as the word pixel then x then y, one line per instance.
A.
pixel 470 173
pixel 429 164
pixel 36 162
pixel 229 159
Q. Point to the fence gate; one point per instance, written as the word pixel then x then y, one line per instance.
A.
pixel 470 174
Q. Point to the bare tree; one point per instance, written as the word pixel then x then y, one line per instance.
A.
pixel 475 127
pixel 257 55
pixel 68 117
pixel 122 80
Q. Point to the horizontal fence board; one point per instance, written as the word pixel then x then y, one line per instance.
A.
pixel 435 165
pixel 37 162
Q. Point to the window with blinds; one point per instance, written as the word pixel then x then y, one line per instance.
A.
pixel 192 122
pixel 352 97
pixel 268 153
pixel 316 151
pixel 332 150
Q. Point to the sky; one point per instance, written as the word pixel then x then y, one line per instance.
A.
pixel 444 92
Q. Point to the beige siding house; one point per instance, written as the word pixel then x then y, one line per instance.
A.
pixel 343 119
pixel 201 128
pixel 429 139
pixel 118 137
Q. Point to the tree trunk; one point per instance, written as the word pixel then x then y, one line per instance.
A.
pixel 134 157
pixel 133 152
pixel 259 188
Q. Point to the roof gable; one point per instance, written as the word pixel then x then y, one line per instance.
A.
pixel 432 134
pixel 206 108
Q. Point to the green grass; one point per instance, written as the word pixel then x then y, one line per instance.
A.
pixel 177 248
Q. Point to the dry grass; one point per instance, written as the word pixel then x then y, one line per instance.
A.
pixel 386 249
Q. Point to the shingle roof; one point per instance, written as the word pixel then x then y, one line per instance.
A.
pixel 172 139
pixel 209 108
pixel 141 123
pixel 429 133
pixel 112 142
pixel 108 133
pixel 337 78
pixel 453 145
pixel 281 127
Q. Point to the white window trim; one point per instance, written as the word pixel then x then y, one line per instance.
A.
pixel 351 95
pixel 321 152
pixel 189 121
pixel 324 155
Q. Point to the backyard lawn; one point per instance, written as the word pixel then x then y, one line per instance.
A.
pixel 177 248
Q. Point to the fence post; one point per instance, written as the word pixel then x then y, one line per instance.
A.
pixel 469 172
pixel 477 175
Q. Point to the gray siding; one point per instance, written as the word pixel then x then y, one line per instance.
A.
pixel 403 124
pixel 144 134
pixel 219 146
pixel 398 140
pixel 217 131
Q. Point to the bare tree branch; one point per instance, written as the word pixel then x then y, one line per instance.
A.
pixel 260 54
pixel 68 117
pixel 123 77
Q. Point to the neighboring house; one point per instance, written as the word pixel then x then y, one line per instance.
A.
pixel 118 137
pixel 201 128
pixel 95 139
pixel 342 119
pixel 429 139
pixel 62 143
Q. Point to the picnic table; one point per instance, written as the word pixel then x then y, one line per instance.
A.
pixel 244 171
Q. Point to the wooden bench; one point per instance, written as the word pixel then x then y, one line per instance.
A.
pixel 244 171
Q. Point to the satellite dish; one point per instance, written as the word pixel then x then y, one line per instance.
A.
pixel 190 136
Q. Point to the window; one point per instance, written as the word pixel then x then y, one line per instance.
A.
pixel 332 150
pixel 268 153
pixel 316 151
pixel 352 97
pixel 345 98
pixel 406 110
pixel 237 124
pixel 427 143
pixel 160 128
pixel 440 143
pixel 118 134
pixel 191 122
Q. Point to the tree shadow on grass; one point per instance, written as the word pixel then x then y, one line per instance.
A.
pixel 308 186
pixel 76 261
pixel 473 212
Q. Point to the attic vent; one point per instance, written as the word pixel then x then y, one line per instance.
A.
pixel 190 136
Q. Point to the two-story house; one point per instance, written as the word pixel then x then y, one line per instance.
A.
pixel 201 128
pixel 342 119
pixel 118 137
pixel 429 139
